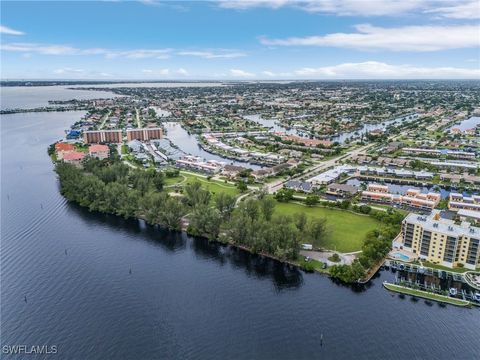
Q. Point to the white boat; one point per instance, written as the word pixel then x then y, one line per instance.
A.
pixel 453 291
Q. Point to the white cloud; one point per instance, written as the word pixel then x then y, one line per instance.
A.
pixel 9 31
pixel 379 70
pixel 162 72
pixel 457 9
pixel 407 38
pixel 338 7
pixel 468 10
pixel 268 73
pixel 182 72
pixel 212 55
pixel 272 74
pixel 240 73
pixel 68 70
pixel 40 49
pixel 248 4
pixel 138 53
pixel 51 49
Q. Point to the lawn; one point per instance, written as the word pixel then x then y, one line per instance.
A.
pixel 212 185
pixel 346 230
pixel 312 264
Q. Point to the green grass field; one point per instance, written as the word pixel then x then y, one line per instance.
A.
pixel 346 230
pixel 213 186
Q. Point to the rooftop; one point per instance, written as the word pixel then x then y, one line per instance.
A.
pixel 435 223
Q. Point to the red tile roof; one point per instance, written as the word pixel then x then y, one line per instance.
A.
pixel 73 155
pixel 61 146
pixel 98 148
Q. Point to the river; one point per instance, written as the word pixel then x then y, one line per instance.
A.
pixel 28 97
pixel 185 297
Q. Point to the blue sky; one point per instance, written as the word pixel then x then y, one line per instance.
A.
pixel 250 39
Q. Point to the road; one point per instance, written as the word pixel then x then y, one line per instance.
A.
pixel 104 120
pixel 139 122
pixel 277 185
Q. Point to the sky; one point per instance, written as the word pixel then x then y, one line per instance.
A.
pixel 240 40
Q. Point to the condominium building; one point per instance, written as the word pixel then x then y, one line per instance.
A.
pixel 459 202
pixel 102 136
pixel 413 198
pixel 439 152
pixel 442 241
pixel 144 134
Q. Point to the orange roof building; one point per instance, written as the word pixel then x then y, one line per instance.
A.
pixel 74 158
pixel 99 151
pixel 61 146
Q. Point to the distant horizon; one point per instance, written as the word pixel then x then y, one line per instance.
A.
pixel 236 80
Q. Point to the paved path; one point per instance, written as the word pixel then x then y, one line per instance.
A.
pixel 345 259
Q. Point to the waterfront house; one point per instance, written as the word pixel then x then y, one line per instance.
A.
pixel 74 158
pixel 99 151
pixel 62 148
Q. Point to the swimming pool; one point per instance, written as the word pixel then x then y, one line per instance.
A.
pixel 401 256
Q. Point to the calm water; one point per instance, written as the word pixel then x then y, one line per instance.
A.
pixel 371 127
pixel 27 97
pixel 185 298
pixel 189 144
pixel 469 123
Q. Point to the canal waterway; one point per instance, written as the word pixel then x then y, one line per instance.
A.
pixel 189 144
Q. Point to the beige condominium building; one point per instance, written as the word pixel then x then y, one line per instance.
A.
pixel 442 241
pixel 144 134
pixel 102 136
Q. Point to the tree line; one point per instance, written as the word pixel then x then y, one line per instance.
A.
pixel 109 186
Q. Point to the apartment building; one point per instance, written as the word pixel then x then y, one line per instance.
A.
pixel 144 134
pixel 460 202
pixel 102 136
pixel 413 198
pixel 442 241
pixel 458 154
